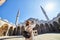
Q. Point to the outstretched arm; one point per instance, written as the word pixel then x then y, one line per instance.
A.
pixel 30 30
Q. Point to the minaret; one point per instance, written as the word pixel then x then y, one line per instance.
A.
pixel 17 17
pixel 44 13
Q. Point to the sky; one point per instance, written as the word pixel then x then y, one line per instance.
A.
pixel 29 9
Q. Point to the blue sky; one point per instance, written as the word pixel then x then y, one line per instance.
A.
pixel 28 9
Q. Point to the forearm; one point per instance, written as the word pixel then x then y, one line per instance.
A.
pixel 32 36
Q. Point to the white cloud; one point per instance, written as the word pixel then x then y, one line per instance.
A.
pixel 6 20
pixel 0 17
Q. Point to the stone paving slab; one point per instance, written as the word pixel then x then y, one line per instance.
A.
pixel 39 37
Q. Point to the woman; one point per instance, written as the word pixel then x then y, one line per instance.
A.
pixel 28 33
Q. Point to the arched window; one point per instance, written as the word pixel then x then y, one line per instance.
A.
pixel 52 28
pixel 41 29
pixel 14 31
pixel 36 27
pixel 4 29
pixel 56 26
pixel 18 30
pixel 47 28
pixel 10 32
pixel 22 29
pixel 59 20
